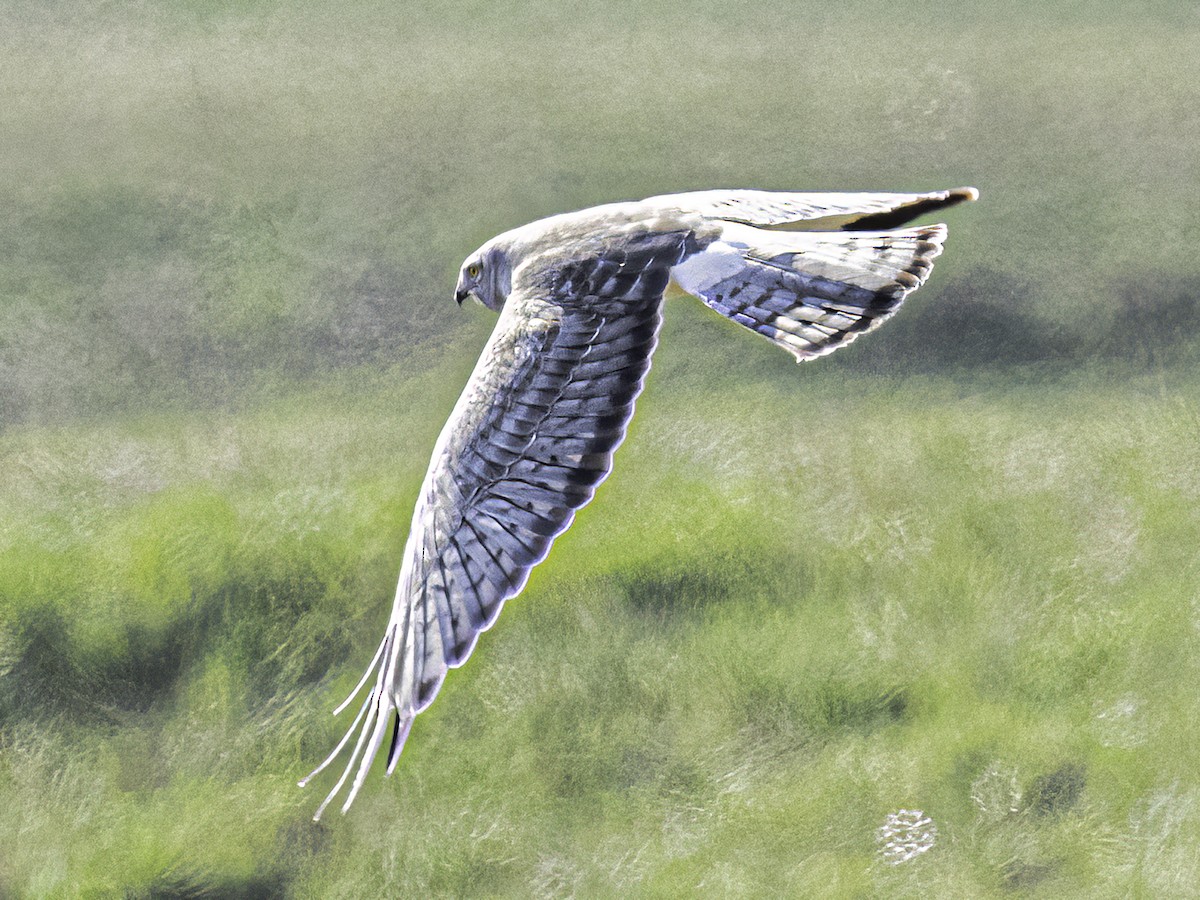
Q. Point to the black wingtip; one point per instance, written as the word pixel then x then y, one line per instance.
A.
pixel 902 215
pixel 394 748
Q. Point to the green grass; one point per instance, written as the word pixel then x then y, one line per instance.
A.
pixel 796 608
pixel 951 568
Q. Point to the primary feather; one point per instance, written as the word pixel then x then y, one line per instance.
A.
pixel 534 431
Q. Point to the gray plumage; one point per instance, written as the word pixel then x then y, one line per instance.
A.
pixel 580 299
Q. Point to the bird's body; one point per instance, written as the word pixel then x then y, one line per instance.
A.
pixel 580 299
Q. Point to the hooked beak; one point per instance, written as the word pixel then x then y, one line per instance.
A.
pixel 460 296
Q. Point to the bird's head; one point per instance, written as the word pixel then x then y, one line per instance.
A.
pixel 485 275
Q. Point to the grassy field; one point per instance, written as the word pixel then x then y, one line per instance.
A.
pixel 823 599
pixel 951 569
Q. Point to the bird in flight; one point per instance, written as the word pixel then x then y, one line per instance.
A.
pixel 580 298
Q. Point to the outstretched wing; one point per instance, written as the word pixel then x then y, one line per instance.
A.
pixel 525 447
pixel 811 272
pixel 810 292
pixel 791 211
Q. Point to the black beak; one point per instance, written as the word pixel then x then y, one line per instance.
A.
pixel 460 296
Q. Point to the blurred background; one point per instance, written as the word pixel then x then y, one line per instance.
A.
pixel 950 569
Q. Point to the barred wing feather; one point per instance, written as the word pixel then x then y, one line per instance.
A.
pixel 526 446
pixel 811 292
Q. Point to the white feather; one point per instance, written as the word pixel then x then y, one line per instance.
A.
pixel 710 267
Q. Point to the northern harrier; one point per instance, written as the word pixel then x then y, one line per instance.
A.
pixel 580 298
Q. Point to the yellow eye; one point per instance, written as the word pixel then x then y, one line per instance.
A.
pixel 473 270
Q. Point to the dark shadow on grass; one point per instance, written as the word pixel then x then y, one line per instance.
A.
pixel 51 675
pixel 681 589
pixel 276 629
pixel 272 627
pixel 1017 875
pixel 1059 791
pixel 43 675
pixel 803 713
pixel 989 319
pixel 297 843
pixel 986 318
pixel 664 593
pixel 1157 322
pixel 843 707
pixel 199 886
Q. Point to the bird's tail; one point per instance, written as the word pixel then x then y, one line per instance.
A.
pixel 810 292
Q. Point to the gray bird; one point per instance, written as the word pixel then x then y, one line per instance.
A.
pixel 580 298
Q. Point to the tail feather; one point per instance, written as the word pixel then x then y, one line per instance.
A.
pixel 810 292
